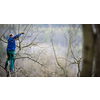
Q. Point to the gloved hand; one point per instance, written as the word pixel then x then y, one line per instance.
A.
pixel 22 32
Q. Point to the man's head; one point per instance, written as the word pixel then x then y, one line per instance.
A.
pixel 11 35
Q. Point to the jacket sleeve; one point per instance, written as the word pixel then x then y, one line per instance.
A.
pixel 17 36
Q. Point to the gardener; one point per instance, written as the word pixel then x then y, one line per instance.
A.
pixel 11 50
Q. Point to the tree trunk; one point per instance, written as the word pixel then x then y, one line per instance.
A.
pixel 88 50
pixel 97 51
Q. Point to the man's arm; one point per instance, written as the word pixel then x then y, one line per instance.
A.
pixel 17 36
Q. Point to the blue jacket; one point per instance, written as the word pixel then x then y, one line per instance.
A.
pixel 11 42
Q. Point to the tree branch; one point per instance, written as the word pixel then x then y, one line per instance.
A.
pixel 5 31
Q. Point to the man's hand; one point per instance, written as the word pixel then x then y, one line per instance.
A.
pixel 22 32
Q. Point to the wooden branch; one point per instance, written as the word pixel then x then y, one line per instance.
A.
pixel 25 33
pixel 73 55
pixel 56 57
pixel 3 68
pixel 3 40
pixel 23 73
pixel 31 42
pixel 25 27
pixel 5 31
pixel 31 59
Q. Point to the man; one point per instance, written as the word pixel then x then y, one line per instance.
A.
pixel 11 46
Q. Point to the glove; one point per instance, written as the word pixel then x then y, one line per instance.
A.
pixel 22 32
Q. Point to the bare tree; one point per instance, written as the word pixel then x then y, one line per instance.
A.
pixel 70 39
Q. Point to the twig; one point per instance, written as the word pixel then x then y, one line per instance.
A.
pixel 5 31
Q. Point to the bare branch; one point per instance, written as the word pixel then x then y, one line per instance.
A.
pixel 5 31
pixel 3 40
pixel 31 59
pixel 56 57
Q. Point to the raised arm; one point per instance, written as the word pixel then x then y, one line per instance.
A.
pixel 17 36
